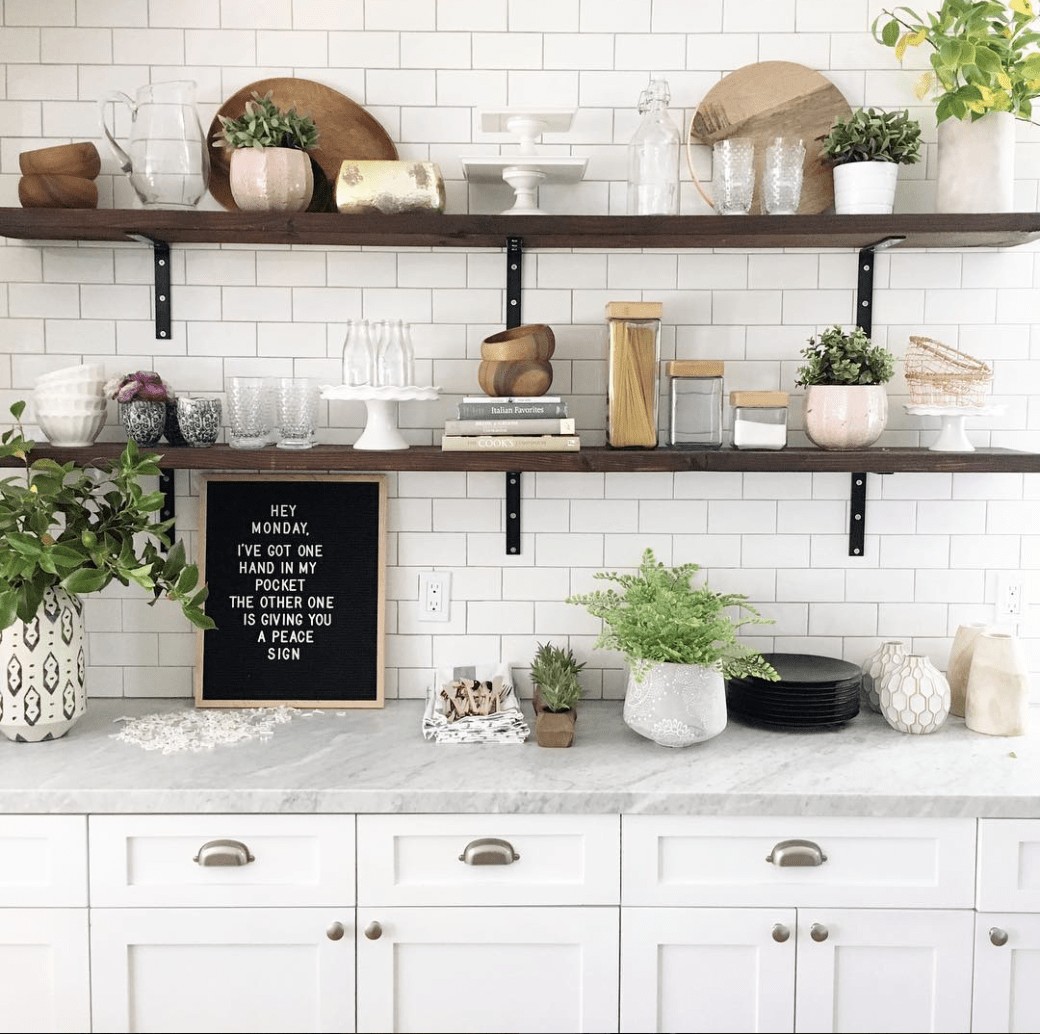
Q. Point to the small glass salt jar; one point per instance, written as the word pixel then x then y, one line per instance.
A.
pixel 759 419
pixel 695 412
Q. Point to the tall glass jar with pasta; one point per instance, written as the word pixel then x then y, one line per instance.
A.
pixel 632 378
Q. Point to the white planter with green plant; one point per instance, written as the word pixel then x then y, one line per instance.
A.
pixel 866 150
pixel 554 672
pixel 270 169
pixel 680 644
pixel 985 75
pixel 846 402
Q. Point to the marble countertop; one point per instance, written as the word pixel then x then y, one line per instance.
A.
pixel 377 761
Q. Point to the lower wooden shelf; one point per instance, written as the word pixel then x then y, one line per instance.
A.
pixel 590 460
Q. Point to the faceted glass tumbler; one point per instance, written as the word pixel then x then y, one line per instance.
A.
pixel 733 176
pixel 250 412
pixel 782 176
pixel 297 412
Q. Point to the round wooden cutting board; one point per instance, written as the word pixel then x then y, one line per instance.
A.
pixel 770 99
pixel 345 129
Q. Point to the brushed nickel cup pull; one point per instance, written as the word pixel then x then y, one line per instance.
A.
pixel 489 851
pixel 781 933
pixel 374 930
pixel 223 852
pixel 335 932
pixel 818 932
pixel 796 852
pixel 997 937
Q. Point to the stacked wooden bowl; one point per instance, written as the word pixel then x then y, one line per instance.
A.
pixel 516 362
pixel 59 177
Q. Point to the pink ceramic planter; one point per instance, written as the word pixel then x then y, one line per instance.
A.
pixel 271 179
pixel 845 416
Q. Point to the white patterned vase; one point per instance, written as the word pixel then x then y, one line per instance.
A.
pixel 44 668
pixel 676 705
pixel 959 664
pixel 997 701
pixel 915 697
pixel 883 661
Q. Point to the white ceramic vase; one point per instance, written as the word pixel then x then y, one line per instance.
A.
pixel 882 662
pixel 959 664
pixel 43 692
pixel 865 188
pixel 977 164
pixel 845 416
pixel 271 179
pixel 915 697
pixel 998 687
pixel 676 705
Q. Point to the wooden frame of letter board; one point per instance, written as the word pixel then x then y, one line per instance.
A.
pixel 200 654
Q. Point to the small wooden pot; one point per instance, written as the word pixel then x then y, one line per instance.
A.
pixel 552 728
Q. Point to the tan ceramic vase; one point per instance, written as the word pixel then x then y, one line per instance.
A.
pixel 271 179
pixel 845 416
pixel 998 687
pixel 959 664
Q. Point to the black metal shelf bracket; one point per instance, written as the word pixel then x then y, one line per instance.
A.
pixel 163 310
pixel 168 510
pixel 864 320
pixel 514 317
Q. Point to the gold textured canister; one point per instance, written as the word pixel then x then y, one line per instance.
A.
pixel 389 187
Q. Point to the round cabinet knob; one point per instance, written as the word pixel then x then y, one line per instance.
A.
pixel 818 932
pixel 373 931
pixel 335 932
pixel 997 936
pixel 781 933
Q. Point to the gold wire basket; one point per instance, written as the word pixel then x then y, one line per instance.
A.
pixel 938 375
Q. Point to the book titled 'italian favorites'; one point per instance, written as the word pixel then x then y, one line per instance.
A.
pixel 480 407
pixel 511 443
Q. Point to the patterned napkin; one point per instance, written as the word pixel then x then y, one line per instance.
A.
pixel 506 725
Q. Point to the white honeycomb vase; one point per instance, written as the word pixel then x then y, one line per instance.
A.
pixel 915 697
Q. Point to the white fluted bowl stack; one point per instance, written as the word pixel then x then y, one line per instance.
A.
pixel 69 405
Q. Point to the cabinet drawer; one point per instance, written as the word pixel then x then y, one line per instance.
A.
pixel 869 862
pixel 139 860
pixel 561 860
pixel 1009 865
pixel 44 861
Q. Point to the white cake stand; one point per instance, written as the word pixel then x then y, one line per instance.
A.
pixel 381 432
pixel 952 436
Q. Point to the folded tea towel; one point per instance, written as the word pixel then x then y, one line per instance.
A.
pixel 505 725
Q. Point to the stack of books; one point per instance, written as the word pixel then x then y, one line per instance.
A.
pixel 512 424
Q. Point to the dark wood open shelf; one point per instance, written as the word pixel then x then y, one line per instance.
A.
pixel 591 460
pixel 557 231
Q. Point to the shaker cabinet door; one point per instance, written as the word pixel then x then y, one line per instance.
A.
pixel 222 969
pixel 1007 973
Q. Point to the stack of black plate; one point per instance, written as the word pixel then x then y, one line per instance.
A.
pixel 813 693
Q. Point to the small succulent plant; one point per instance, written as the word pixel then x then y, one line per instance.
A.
pixel 145 385
pixel 844 358
pixel 555 672
pixel 869 135
pixel 264 124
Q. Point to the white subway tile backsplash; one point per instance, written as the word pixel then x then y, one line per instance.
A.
pixel 759 16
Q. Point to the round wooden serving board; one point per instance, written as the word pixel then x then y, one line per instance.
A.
pixel 345 129
pixel 770 99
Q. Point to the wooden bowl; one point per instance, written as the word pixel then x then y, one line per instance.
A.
pixel 57 192
pixel 80 160
pixel 530 341
pixel 523 377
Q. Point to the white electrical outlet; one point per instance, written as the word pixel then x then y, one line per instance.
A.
pixel 434 596
pixel 1011 602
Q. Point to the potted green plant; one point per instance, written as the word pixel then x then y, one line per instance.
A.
pixel 270 169
pixel 554 672
pixel 984 74
pixel 846 404
pixel 680 643
pixel 67 531
pixel 145 403
pixel 866 150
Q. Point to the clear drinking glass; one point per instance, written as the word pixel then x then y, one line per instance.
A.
pixel 250 412
pixel 297 412
pixel 782 176
pixel 733 175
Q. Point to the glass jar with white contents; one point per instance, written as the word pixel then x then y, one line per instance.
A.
pixel 759 419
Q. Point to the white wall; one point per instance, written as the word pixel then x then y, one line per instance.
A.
pixel 935 542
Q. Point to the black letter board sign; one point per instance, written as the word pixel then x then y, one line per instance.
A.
pixel 295 565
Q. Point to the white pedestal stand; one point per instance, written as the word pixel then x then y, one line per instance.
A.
pixel 952 436
pixel 381 433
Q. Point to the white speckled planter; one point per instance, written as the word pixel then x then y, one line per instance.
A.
pixel 915 698
pixel 976 171
pixel 676 705
pixel 880 664
pixel 271 179
pixel 845 416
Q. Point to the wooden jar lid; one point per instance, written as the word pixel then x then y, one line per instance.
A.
pixel 694 368
pixel 634 310
pixel 758 399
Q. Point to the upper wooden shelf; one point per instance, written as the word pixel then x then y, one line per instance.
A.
pixel 590 460
pixel 557 231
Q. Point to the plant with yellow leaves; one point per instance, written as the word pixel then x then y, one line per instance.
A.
pixel 984 55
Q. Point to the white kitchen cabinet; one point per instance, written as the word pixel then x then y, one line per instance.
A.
pixel 44 969
pixel 884 970
pixel 707 969
pixel 487 969
pixel 1007 973
pixel 222 969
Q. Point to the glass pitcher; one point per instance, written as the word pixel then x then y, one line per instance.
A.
pixel 167 160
